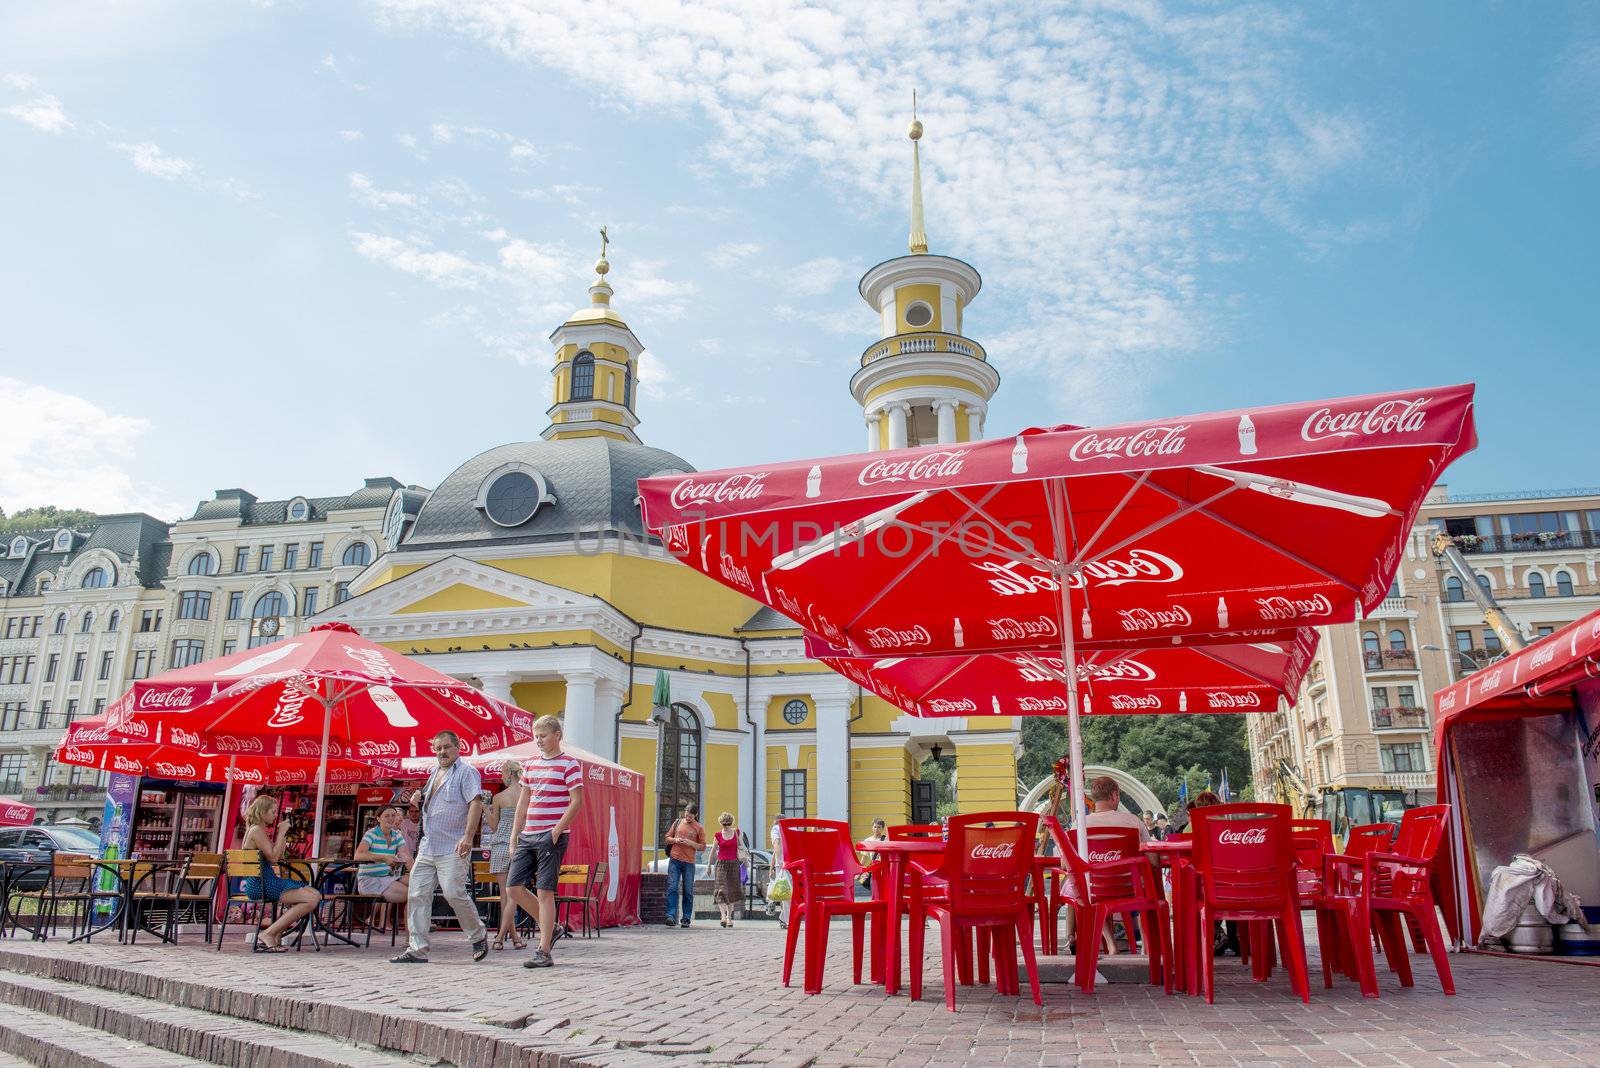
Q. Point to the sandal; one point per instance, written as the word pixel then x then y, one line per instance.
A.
pixel 262 947
pixel 517 943
pixel 499 942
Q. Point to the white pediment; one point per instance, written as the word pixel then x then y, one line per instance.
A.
pixel 503 591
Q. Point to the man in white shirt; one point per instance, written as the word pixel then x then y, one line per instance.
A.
pixel 1108 810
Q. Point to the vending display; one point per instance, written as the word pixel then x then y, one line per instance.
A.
pixel 171 819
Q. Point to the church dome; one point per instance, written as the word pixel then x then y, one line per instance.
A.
pixel 533 491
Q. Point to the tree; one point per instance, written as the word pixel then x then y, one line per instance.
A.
pixel 44 517
pixel 938 772
pixel 1159 751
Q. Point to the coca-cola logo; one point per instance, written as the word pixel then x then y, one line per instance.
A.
pixel 246 775
pixel 290 776
pixel 73 755
pixel 1280 608
pixel 1225 699
pixel 740 487
pixel 372 660
pixel 1448 701
pixel 135 728
pixel 1037 668
pixel 1012 629
pixel 1542 657
pixel 90 734
pixel 126 764
pixel 1492 680
pixel 369 748
pixel 521 723
pixel 1041 704
pixel 624 780
pixel 18 813
pixel 1104 858
pixel 1129 702
pixel 1252 836
pixel 1149 441
pixel 169 770
pixel 678 539
pixel 596 773
pixel 287 711
pixel 461 700
pixel 946 706
pixel 1013 578
pixel 998 851
pixel 1135 620
pixel 924 468
pixel 894 637
pixel 790 607
pixel 176 698
pixel 1390 417
pixel 734 573
pixel 233 743
pixel 185 738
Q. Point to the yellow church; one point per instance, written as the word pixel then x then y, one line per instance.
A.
pixel 528 572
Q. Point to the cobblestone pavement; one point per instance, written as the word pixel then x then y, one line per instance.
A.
pixel 712 996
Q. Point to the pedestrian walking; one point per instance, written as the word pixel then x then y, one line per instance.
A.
pixel 502 818
pixel 685 839
pixel 451 807
pixel 552 791
pixel 731 854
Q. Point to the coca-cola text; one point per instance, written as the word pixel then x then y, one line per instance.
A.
pixel 1135 620
pixel 739 487
pixel 1390 417
pixel 1148 441
pixel 923 468
pixel 1281 608
pixel 1252 836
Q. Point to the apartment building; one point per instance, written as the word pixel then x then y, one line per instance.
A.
pixel 1363 715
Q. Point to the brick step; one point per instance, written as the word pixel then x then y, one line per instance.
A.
pixel 196 1036
pixel 43 1039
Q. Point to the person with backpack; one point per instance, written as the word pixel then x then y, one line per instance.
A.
pixel 685 838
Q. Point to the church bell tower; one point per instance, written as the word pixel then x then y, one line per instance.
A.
pixel 596 375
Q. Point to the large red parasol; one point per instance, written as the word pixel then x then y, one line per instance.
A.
pixel 1227 527
pixel 327 694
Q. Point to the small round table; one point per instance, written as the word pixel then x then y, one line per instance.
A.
pixel 895 853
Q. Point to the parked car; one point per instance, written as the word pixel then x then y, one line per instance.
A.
pixel 36 845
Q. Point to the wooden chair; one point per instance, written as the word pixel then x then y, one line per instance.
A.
pixel 340 887
pixel 239 865
pixel 587 901
pixel 71 884
pixel 172 889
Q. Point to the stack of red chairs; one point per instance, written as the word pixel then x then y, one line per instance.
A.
pixel 822 864
pixel 987 862
pixel 1115 879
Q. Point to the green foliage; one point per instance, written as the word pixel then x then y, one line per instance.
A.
pixel 940 773
pixel 45 517
pixel 1160 751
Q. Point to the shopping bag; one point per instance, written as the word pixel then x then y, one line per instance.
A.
pixel 780 888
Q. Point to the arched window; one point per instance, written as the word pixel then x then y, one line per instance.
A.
pixel 114 621
pixel 1397 641
pixel 265 625
pixel 583 376
pixel 203 564
pixel 61 623
pixel 88 622
pixel 358 554
pixel 1536 585
pixel 95 578
pixel 1369 642
pixel 627 386
pixel 1483 580
pixel 680 766
pixel 1453 590
pixel 1563 584
pixel 19 546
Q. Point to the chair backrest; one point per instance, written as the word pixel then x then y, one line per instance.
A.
pixel 204 866
pixel 1107 844
pixel 70 866
pixel 1245 855
pixel 597 877
pixel 573 873
pixel 243 864
pixel 1421 832
pixel 988 861
pixel 824 861
pixel 1313 840
pixel 481 873
pixel 1368 837
pixel 1067 849
pixel 914 831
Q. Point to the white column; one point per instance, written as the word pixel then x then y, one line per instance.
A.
pixel 974 424
pixel 609 695
pixel 578 718
pixel 833 757
pixel 749 807
pixel 498 686
pixel 946 411
pixel 873 439
pixel 897 424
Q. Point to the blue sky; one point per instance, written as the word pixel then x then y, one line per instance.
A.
pixel 288 245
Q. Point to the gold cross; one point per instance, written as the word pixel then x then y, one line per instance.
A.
pixel 605 239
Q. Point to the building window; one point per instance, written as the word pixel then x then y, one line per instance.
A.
pixel 267 615
pixel 627 386
pixel 1563 584
pixel 298 509
pixel 583 376
pixel 150 620
pixel 1535 585
pixel 1369 642
pixel 1408 696
pixel 61 623
pixel 19 546
pixel 144 663
pixel 1483 581
pixel 266 558
pixel 51 666
pixel 11 716
pixel 105 666
pixel 792 793
pixel 357 554
pixel 114 621
pixel 1397 641
pixel 291 557
pixel 513 498
pixel 241 560
pixel 16 670
pixel 203 564
pixel 794 713
pixel 64 541
pixel 918 314
pixel 229 647
pixel 194 604
pixel 1464 641
pixel 315 560
pixel 78 663
pixel 308 601
pixel 341 592
pixel 187 651
pixel 44 714
pixel 1491 642
pixel 680 765
pixel 13 768
pixel 11 626
pixel 87 624
pixel 72 709
pixel 99 707
pixel 1380 697
pixel 1453 590
pixel 236 604
pixel 1401 757
pixel 95 579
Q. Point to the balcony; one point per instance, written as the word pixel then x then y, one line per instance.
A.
pixel 1320 730
pixel 1315 675
pixel 1389 660
pixel 1469 660
pixel 1409 780
pixel 1394 606
pixel 1399 719
pixel 1544 541
pixel 923 341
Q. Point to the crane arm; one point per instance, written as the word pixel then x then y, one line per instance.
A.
pixel 1444 547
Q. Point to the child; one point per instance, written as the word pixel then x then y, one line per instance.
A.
pixel 552 790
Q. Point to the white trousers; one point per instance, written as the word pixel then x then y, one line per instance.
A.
pixel 449 873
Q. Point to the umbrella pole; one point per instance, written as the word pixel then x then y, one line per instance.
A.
pixel 322 779
pixel 222 817
pixel 1069 660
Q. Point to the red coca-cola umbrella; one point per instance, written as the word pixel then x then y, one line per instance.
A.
pixel 1227 527
pixel 323 695
pixel 1242 677
pixel 15 813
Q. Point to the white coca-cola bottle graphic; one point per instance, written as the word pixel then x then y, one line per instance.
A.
pixel 1183 700
pixel 961 639
pixel 814 481
pixel 1084 624
pixel 394 710
pixel 1247 436
pixel 994 703
pixel 1019 458
pixel 1222 613
pixel 613 858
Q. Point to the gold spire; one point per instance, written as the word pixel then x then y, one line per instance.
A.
pixel 919 235
pixel 600 291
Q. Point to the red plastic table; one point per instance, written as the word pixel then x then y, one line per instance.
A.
pixel 895 854
pixel 1174 855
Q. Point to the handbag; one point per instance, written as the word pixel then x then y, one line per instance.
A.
pixel 780 888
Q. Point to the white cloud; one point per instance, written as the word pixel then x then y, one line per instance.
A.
pixel 731 252
pixel 448 270
pixel 519 149
pixel 1087 159
pixel 329 62
pixel 655 381
pixel 149 158
pixel 67 451
pixel 362 189
pixel 351 135
pixel 816 277
pixel 526 264
pixel 42 111
pixel 853 320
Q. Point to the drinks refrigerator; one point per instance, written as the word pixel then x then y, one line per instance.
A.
pixel 173 819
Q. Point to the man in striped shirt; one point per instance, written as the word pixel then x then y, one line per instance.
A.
pixel 552 790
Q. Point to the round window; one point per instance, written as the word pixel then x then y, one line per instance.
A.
pixel 512 499
pixel 297 510
pixel 918 314
pixel 794 713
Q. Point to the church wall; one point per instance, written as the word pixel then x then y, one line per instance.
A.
pixel 541 697
pixel 778 760
pixel 775 720
pixel 639 755
pixel 458 598
pixel 877 715
pixel 918 382
pixel 880 787
pixel 986 776
pixel 724 711
pixel 719 790
pixel 926 292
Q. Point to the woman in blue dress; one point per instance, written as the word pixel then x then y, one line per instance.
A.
pixel 294 898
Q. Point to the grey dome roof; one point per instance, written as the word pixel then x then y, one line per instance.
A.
pixel 594 482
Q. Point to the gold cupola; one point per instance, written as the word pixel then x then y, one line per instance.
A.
pixel 596 374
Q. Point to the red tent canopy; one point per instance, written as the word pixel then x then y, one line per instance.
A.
pixel 1533 681
pixel 15 813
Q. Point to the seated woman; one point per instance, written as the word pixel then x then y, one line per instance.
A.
pixel 294 898
pixel 384 854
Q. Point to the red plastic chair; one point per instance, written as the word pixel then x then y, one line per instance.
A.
pixel 986 866
pixel 822 862
pixel 1244 854
pixel 1116 879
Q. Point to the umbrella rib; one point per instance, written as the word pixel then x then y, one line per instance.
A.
pixel 1034 558
pixel 1105 524
pixel 1267 543
pixel 1190 506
